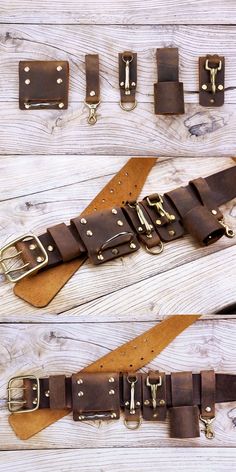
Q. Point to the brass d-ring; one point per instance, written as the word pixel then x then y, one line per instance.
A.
pixel 155 252
pixel 134 425
pixel 129 108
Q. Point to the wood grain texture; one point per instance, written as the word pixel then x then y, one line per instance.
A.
pixel 45 349
pixel 71 42
pixel 141 285
pixel 133 12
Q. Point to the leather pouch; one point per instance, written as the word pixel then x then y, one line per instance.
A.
pixel 43 84
pixel 95 396
pixel 202 225
pixel 184 422
pixel 106 235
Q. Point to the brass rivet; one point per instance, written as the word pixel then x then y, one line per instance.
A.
pixel 122 84
pixel 83 221
pixel 132 246
pixel 149 236
pixel 89 232
pixel 50 248
pixel 59 81
pixel 32 247
pixel 220 87
pixel 111 380
pixel 40 259
pixel 162 402
pixel 212 100
pixel 92 93
pixel 115 251
pixel 35 401
pixel 100 257
pixel 114 211
pixel 113 415
pixel 140 229
pixel 214 212
pixel 27 106
pixel 111 392
pixel 61 105
pixel 27 69
pixel 27 81
pixel 126 403
pixel 80 394
pixel 204 87
pixel 79 381
pixel 120 223
pixel 158 222
pixel 155 415
pixel 111 191
pixel 59 68
pixel 126 174
pixel 35 387
pixel 119 182
pixel 47 393
pixel 81 418
pixel 133 84
pixel 147 402
pixel 171 232
pixel 208 409
pixel 137 403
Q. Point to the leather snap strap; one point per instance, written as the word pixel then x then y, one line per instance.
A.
pixel 92 99
pixel 211 80
pixel 128 79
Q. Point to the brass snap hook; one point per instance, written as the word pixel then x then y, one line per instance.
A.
pixel 92 118
pixel 213 72
pixel 209 432
pixel 229 232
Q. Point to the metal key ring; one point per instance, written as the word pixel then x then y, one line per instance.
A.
pixel 155 252
pixel 132 107
pixel 134 425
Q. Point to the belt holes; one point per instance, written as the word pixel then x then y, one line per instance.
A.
pixel 135 186
pixel 131 365
pixel 101 366
pixel 152 351
pixel 130 193
pixel 95 209
pixel 141 358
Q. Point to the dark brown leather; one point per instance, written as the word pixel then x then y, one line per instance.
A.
pixel 184 422
pixel 132 380
pixel 208 394
pixel 168 91
pixel 127 95
pixel 43 84
pixel 57 389
pixel 207 96
pixel 92 78
pixel 152 412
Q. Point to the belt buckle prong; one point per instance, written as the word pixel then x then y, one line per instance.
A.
pixel 11 387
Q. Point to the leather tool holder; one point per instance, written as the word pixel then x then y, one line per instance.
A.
pixel 43 84
pixel 168 91
pixel 211 80
pixel 95 396
pixel 128 80
pixel 132 398
pixel 184 415
pixel 106 235
pixel 154 396
pixel 92 99
pixel 208 398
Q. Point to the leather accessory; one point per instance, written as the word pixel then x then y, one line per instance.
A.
pixel 108 234
pixel 211 80
pixel 43 287
pixel 168 91
pixel 129 357
pixel 128 80
pixel 92 99
pixel 43 84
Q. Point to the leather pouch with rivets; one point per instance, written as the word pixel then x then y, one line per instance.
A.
pixel 165 218
pixel 43 84
pixel 95 396
pixel 154 396
pixel 106 235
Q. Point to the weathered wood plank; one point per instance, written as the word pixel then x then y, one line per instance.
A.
pixel 105 12
pixel 197 133
pixel 132 460
pixel 55 348
pixel 21 42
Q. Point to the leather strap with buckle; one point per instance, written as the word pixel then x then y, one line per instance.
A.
pixel 109 234
pixel 92 99
pixel 211 80
pixel 128 80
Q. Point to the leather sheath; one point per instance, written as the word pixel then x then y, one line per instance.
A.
pixel 168 91
pixel 127 183
pixel 92 79
pixel 130 356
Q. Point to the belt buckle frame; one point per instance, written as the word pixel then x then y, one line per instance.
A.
pixel 11 387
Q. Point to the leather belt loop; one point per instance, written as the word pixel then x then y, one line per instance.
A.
pixel 182 388
pixel 168 91
pixel 208 388
pixel 206 196
pixel 184 414
pixel 92 99
pixel 57 392
pixel 128 80
pixel 211 80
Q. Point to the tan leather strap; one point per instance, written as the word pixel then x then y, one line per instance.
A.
pixel 168 91
pixel 130 357
pixel 128 182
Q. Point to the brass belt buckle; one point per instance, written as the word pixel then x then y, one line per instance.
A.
pixel 11 401
pixel 9 270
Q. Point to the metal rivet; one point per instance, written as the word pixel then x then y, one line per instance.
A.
pixel 35 387
pixel 111 392
pixel 148 236
pixel 27 106
pixel 140 229
pixel 133 84
pixel 212 100
pixel 80 394
pixel 137 403
pixel 220 87
pixel 89 232
pixel 32 247
pixel 47 393
pixel 214 212
pixel 158 222
pixel 113 415
pixel 35 401
pixel 100 257
pixel 126 174
pixel 92 93
pixel 83 221
pixel 132 246
pixel 120 223
pixel 132 412
pixel 81 418
pixel 27 81
pixel 208 409
pixel 114 211
pixel 111 380
pixel 147 402
pixel 59 81
pixel 111 191
pixel 79 381
pixel 126 403
pixel 171 232
pixel 50 248
pixel 122 84
pixel 61 105
pixel 40 259
pixel 204 87
pixel 27 69
pixel 162 402
pixel 119 182
pixel 155 415
pixel 115 251
pixel 59 68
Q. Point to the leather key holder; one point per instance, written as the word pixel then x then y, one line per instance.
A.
pixel 211 80
pixel 128 358
pixel 92 99
pixel 128 80
pixel 108 234
pixel 43 84
pixel 168 91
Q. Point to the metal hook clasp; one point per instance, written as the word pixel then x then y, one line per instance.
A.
pixel 209 432
pixel 92 118
pixel 213 72
pixel 229 232
pixel 161 210
pixel 127 61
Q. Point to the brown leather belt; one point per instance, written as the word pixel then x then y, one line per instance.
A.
pixel 189 397
pixel 105 235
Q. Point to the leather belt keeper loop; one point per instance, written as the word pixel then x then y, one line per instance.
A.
pixel 168 91
pixel 92 78
pixel 203 226
pixel 66 243
pixel 206 196
pixel 57 392
pixel 208 394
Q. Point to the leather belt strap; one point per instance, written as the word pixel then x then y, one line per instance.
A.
pixel 92 86
pixel 43 287
pixel 168 91
pixel 131 356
